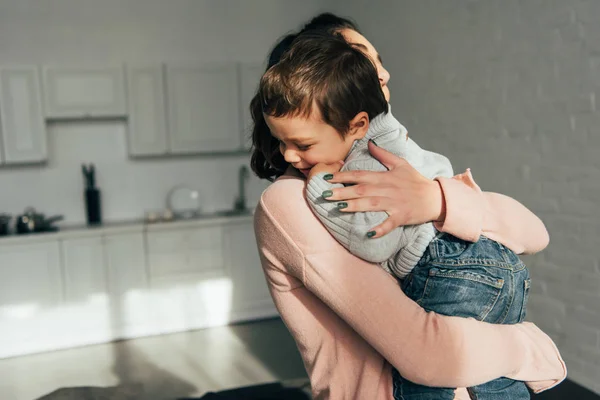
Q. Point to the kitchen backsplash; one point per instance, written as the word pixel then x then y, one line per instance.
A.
pixel 129 186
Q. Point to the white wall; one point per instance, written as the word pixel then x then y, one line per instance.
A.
pixel 510 89
pixel 112 31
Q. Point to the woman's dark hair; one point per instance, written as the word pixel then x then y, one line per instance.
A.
pixel 267 161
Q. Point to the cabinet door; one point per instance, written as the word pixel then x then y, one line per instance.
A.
pixel 30 275
pixel 23 128
pixel 186 255
pixel 128 284
pixel 30 288
pixel 85 272
pixel 251 297
pixel 203 108
pixel 250 75
pixel 147 131
pixel 84 92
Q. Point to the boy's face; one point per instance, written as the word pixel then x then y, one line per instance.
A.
pixel 306 142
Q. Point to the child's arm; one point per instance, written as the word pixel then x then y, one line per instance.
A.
pixel 351 229
pixel 399 250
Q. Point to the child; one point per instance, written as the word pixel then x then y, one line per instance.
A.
pixel 323 102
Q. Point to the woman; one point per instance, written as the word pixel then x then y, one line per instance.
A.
pixel 347 337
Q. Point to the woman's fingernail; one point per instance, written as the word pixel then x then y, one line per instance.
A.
pixel 341 205
pixel 327 193
pixel 370 234
pixel 328 176
pixel 374 142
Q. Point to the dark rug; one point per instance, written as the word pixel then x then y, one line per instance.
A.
pixel 273 391
pixel 568 390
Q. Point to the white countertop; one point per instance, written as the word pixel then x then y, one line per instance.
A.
pixel 118 227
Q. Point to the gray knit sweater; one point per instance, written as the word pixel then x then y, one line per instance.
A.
pixel 400 250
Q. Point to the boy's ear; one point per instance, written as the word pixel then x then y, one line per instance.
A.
pixel 359 125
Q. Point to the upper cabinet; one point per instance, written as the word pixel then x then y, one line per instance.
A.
pixel 171 109
pixel 21 117
pixel 250 75
pixel 84 92
pixel 147 130
pixel 203 108
pixel 185 109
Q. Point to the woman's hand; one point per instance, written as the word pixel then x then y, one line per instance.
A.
pixel 407 196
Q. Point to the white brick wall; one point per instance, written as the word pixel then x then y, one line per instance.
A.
pixel 512 89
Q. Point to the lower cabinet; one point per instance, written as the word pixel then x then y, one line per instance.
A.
pixel 129 309
pixel 185 255
pixel 83 268
pixel 250 296
pixel 94 288
pixel 31 288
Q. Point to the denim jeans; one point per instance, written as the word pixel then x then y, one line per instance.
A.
pixel 482 280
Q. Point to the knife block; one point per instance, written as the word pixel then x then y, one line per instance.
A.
pixel 92 206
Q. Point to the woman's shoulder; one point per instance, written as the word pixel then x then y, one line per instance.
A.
pixel 283 213
pixel 283 194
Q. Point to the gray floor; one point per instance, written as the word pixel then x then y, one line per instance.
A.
pixel 161 367
pixel 171 366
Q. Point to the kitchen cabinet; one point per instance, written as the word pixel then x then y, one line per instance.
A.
pixel 75 288
pixel 30 287
pixel 130 302
pixel 182 255
pixel 250 294
pixel 30 274
pixel 205 105
pixel 83 265
pixel 21 118
pixel 85 313
pixel 250 74
pixel 84 92
pixel 203 108
pixel 188 278
pixel 147 130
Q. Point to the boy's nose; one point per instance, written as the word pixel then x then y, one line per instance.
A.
pixel 291 156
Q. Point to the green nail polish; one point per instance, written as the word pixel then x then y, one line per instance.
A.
pixel 341 205
pixel 370 234
pixel 328 176
pixel 374 142
pixel 327 193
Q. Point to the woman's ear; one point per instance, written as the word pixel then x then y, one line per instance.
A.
pixel 359 125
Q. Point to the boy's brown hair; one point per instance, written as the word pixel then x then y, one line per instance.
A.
pixel 324 71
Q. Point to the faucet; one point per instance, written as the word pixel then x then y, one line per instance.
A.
pixel 240 201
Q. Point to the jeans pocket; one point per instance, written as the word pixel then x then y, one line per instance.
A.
pixel 463 292
pixel 526 287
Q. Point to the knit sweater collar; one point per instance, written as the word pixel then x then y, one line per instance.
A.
pixel 382 124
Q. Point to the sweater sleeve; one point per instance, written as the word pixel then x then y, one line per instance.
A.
pixel 350 229
pixel 425 347
pixel 471 212
pixel 338 361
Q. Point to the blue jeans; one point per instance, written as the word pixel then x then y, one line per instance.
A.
pixel 482 280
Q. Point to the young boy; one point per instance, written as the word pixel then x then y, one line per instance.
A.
pixel 323 102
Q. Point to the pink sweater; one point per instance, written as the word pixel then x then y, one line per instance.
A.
pixel 350 319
